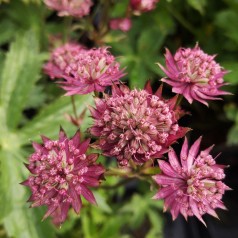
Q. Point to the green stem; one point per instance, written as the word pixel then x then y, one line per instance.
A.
pixel 67 28
pixel 74 107
pixel 179 100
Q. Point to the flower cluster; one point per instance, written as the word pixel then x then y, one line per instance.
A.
pixel 61 174
pixel 83 70
pixel 143 5
pixel 194 74
pixel 131 125
pixel 191 185
pixel 135 125
pixel 75 8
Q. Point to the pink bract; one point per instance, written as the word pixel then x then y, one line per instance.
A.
pixel 143 5
pixel 135 124
pixel 192 184
pixel 194 74
pixel 61 174
pixel 123 24
pixel 75 8
pixel 84 71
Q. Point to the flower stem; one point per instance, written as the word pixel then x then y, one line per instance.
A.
pixel 179 100
pixel 74 106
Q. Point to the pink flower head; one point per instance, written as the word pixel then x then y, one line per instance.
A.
pixel 62 58
pixel 75 8
pixel 84 71
pixel 192 185
pixel 61 173
pixel 194 74
pixel 123 24
pixel 135 124
pixel 143 5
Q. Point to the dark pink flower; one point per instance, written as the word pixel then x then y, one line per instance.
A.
pixel 61 174
pixel 194 74
pixel 123 24
pixel 143 5
pixel 192 184
pixel 84 71
pixel 135 124
pixel 75 8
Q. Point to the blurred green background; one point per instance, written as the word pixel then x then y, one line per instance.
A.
pixel 31 104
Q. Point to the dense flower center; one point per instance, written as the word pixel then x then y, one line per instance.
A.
pixel 139 123
pixel 195 66
pixel 55 169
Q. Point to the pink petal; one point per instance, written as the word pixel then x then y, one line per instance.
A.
pixel 193 152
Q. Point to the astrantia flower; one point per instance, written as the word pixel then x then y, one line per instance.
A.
pixel 62 58
pixel 123 24
pixel 61 174
pixel 135 124
pixel 192 184
pixel 194 74
pixel 75 8
pixel 84 71
pixel 143 5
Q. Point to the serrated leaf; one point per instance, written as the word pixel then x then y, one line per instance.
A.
pixel 48 121
pixel 21 70
pixel 19 220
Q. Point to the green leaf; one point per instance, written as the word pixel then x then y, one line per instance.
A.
pixel 101 202
pixel 8 31
pixel 233 135
pixel 47 122
pixel 150 41
pixel 138 74
pixel 231 111
pixel 156 224
pixel 227 20
pixel 21 70
pixel 232 76
pixel 199 5
pixel 19 220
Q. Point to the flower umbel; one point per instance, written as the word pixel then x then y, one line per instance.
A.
pixel 192 185
pixel 194 74
pixel 84 71
pixel 62 59
pixel 135 124
pixel 61 174
pixel 75 8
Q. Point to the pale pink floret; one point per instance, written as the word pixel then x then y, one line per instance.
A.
pixel 84 71
pixel 61 174
pixel 135 124
pixel 61 58
pixel 75 8
pixel 192 184
pixel 194 74
pixel 123 24
pixel 143 5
